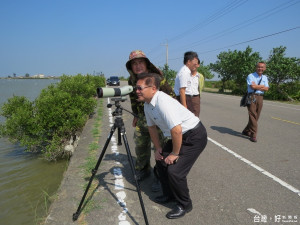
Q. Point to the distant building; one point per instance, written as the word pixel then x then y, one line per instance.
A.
pixel 38 76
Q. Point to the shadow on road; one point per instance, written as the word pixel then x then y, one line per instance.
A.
pixel 225 130
pixel 145 185
pixel 106 180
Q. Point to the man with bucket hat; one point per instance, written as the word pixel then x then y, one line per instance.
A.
pixel 138 63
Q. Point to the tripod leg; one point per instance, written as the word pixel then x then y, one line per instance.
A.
pixel 134 174
pixel 119 137
pixel 94 171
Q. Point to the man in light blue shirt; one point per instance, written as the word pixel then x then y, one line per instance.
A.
pixel 257 85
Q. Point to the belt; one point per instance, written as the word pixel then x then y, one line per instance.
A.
pixel 192 95
pixel 186 134
pixel 252 93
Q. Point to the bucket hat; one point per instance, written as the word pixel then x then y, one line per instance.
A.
pixel 140 54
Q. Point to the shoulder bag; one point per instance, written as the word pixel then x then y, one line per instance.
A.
pixel 246 99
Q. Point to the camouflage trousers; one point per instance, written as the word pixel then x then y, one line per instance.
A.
pixel 143 143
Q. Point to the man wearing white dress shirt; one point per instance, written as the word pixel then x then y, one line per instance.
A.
pixel 187 139
pixel 187 83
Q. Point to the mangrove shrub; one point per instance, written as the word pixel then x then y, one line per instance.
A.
pixel 46 124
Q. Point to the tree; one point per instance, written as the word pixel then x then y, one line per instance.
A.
pixel 224 67
pixel 169 74
pixel 27 75
pixel 283 72
pixel 281 69
pixel 205 71
pixel 47 124
pixel 245 63
pixel 236 65
pixel 123 78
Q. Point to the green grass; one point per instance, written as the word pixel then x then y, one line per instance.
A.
pixel 90 163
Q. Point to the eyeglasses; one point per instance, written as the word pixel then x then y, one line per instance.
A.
pixel 140 88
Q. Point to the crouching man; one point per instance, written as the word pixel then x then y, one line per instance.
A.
pixel 187 139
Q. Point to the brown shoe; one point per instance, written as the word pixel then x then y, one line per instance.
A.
pixel 246 133
pixel 253 139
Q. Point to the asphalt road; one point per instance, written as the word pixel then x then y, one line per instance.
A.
pixel 234 181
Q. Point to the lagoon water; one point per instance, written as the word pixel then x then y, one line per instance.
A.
pixel 26 180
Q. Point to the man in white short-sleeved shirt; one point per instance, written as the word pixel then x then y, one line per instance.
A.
pixel 188 139
pixel 186 85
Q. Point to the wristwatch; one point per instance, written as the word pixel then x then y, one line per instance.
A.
pixel 172 153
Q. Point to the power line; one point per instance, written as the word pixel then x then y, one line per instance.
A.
pixel 255 39
pixel 218 14
pixel 269 35
pixel 244 24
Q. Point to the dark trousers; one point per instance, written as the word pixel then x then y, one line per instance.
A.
pixel 192 103
pixel 174 177
pixel 254 110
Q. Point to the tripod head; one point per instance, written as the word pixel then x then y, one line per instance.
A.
pixel 119 108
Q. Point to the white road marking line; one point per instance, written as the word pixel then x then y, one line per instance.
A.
pixel 278 180
pixel 124 223
pixel 253 211
pixel 117 171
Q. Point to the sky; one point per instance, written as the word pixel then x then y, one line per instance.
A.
pixel 56 37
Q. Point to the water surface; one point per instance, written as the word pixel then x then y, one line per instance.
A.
pixel 26 180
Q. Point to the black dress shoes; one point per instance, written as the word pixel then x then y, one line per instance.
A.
pixel 163 199
pixel 155 187
pixel 179 211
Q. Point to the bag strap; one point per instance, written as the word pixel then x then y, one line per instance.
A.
pixel 259 82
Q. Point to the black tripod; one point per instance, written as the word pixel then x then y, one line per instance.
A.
pixel 121 131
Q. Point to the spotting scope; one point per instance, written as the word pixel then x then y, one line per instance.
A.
pixel 114 92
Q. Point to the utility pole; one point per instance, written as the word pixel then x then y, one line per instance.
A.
pixel 166 52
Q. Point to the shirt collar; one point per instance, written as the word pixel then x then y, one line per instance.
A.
pixel 154 99
pixel 256 74
pixel 188 69
pixel 197 75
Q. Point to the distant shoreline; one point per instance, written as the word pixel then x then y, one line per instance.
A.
pixel 29 78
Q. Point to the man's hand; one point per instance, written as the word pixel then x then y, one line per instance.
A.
pixel 135 119
pixel 158 155
pixel 260 87
pixel 171 159
pixel 155 139
pixel 182 96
